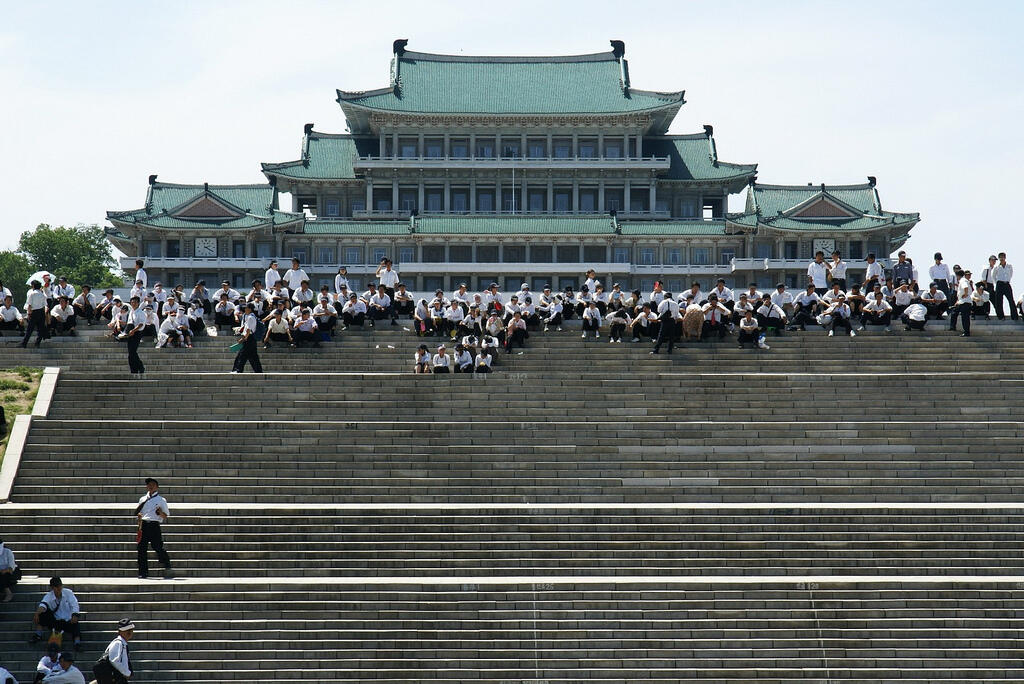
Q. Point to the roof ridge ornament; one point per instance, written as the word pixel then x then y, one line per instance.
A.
pixel 398 49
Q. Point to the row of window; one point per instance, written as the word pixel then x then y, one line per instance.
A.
pixel 510 148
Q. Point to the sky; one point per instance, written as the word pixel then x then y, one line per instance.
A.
pixel 923 95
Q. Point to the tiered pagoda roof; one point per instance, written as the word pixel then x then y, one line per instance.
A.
pixel 182 207
pixel 563 86
pixel 819 209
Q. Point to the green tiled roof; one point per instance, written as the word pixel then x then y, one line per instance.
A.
pixel 693 157
pixel 329 227
pixel 769 205
pixel 255 201
pixel 771 199
pixel 326 156
pixel 694 227
pixel 510 85
pixel 516 225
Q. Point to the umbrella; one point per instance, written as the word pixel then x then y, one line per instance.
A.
pixel 38 275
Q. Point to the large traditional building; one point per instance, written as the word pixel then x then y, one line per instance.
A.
pixel 511 169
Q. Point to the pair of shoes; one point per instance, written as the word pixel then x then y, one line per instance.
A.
pixel 831 333
pixel 741 345
pixel 8 595
pixel 652 352
pixel 860 328
pixel 597 334
pixel 73 333
pixel 545 328
pixel 143 576
pixel 888 328
pixel 584 335
pixel 853 334
pixel 234 372
pixel 965 334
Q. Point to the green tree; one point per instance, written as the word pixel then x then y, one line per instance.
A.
pixel 81 253
pixel 15 269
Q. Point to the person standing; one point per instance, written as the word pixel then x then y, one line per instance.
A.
pixel 668 315
pixel 249 352
pixel 271 275
pixel 115 667
pixel 58 610
pixel 37 313
pixel 151 512
pixel 134 327
pixel 1002 273
pixel 941 275
pixel 964 289
pixel 837 269
pixel 817 273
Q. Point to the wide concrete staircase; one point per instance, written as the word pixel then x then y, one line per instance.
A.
pixel 834 509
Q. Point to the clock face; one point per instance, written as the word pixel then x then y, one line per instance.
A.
pixel 825 245
pixel 206 247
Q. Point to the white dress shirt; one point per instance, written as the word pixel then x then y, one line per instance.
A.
pixel 270 277
pixel 668 305
pixel 874 270
pixel 388 278
pixel 940 272
pixel 838 269
pixel 963 292
pixel 1002 273
pixel 57 675
pixel 441 361
pixel 782 298
pixel 35 300
pixel 62 608
pixel 6 558
pixel 117 654
pixel 592 314
pixel 818 274
pixel 916 312
pixel 151 505
pixel 903 298
pixel 10 313
pixel 293 278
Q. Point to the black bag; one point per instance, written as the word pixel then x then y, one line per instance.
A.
pixel 17 574
pixel 103 672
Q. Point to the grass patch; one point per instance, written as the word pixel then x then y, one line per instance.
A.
pixel 20 386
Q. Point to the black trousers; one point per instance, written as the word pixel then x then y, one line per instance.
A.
pixel 249 354
pixel 936 310
pixel 7 580
pixel 708 327
pixel 750 336
pixel 912 324
pixel 840 322
pixel 48 620
pixel 518 336
pixel 869 318
pixel 135 364
pixel 668 331
pixel 403 308
pixel 616 330
pixel 85 312
pixel 804 317
pixel 1003 289
pixel 982 310
pixel 348 318
pixel 151 537
pixel 964 312
pixel 37 324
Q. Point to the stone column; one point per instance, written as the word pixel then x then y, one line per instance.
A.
pixel 447 195
pixel 549 146
pixel 640 145
pixel 627 189
pixel 653 196
pixel 394 194
pixel 575 194
pixel 472 199
pixel 575 145
pixel 420 151
pixel 420 196
pixel 522 196
pixel 551 194
pixel 383 143
pixel 447 144
pixel 498 208
pixel 472 145
pixel 369 194
pixel 394 144
pixel 600 196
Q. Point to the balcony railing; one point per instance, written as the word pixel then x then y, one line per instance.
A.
pixel 377 162
pixel 695 269
pixel 197 262
pixel 404 214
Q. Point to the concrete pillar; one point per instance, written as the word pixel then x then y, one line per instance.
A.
pixel 551 193
pixel 653 195
pixel 447 144
pixel 575 191
pixel 369 194
pixel 522 196
pixel 472 145
pixel 383 143
pixel 472 201
pixel 394 144
pixel 600 196
pixel 625 146
pixel 447 195
pixel 420 193
pixel 549 147
pixel 420 150
pixel 394 194
pixel 497 196
pixel 600 145
pixel 575 145
pixel 640 145
pixel 627 189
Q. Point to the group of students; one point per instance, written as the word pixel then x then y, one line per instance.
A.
pixel 51 309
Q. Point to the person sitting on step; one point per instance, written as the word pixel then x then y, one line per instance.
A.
pixel 441 362
pixel 877 312
pixel 62 318
pixel 741 306
pixel 10 317
pixel 402 304
pixel 85 305
pixel 750 330
pixel 915 317
pixel 304 329
pixel 715 316
pixel 837 315
pixel 421 360
pixel 278 329
pixel 463 360
pixel 644 324
pixel 59 611
pixel 804 306
pixel 453 318
pixel 421 321
pixel 326 315
pixel 981 302
pixel 8 572
pixel 354 312
pixel 484 359
pixel 617 320
pixel 224 312
pixel 591 316
pixel 770 316
pixel 935 301
pixel 554 317
pixel 515 333
pixel 472 324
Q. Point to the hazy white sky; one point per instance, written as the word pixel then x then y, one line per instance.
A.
pixel 923 95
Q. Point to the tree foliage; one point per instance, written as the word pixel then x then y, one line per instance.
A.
pixel 81 253
pixel 15 269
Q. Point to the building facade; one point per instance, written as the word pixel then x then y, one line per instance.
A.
pixel 507 169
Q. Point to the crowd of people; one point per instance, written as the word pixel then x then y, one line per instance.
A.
pixel 284 310
pixel 57 616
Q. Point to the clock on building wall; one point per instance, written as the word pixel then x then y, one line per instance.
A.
pixel 826 245
pixel 206 247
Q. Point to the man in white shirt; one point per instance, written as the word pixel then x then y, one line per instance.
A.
pixel 715 316
pixel 62 289
pixel 304 329
pixel 303 295
pixel 116 652
pixel 58 610
pixel 224 312
pixel 387 276
pixel 65 671
pixel 492 299
pixel 770 316
pixel 724 294
pixel 742 305
pixel 804 306
pixel 902 297
pixel 668 318
pixel 247 336
pixel 134 328
pixel 326 315
pixel 441 362
pixel 940 274
pixel 839 314
pixel 981 301
pixel 8 573
pixel 151 512
pixel 354 312
pixel 915 317
pixel 832 295
pixel 876 311
pixel 781 298
pixel 644 323
pixel 271 275
pixel 1002 273
pixel 402 304
pixel 817 273
pixel 750 330
pixel 657 294
pixel 380 306
pixel 873 275
pixel 10 317
pixel 964 290
pixel 837 269
pixel 37 313
pixel 935 301
pixel 453 316
pixel 515 332
pixel 591 319
pixel 84 305
pixel 278 329
pixel 294 276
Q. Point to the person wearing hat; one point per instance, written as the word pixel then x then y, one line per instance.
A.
pixel 224 311
pixel 981 301
pixel 105 307
pixel 492 299
pixel 151 512
pixel 247 337
pixel 8 572
pixel 441 362
pixel 402 304
pixel 940 274
pixel 741 306
pixel 152 320
pixel 326 315
pixel 353 312
pixel 48 662
pixel 964 291
pixel 303 294
pixel 769 316
pixel 58 610
pixel 62 289
pixel 65 671
pixel 903 271
pixel 115 667
pixel 838 313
